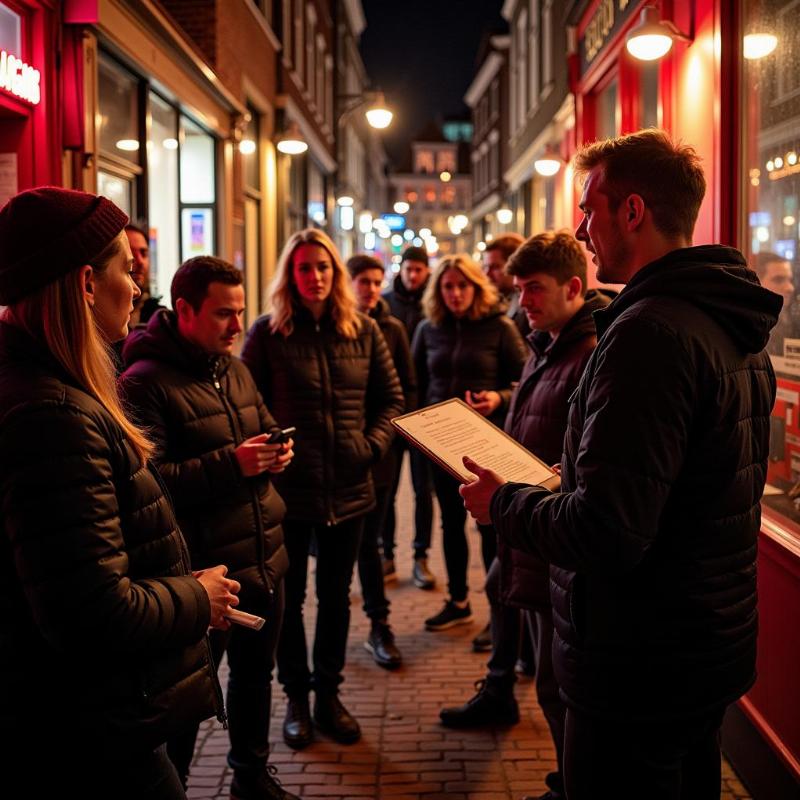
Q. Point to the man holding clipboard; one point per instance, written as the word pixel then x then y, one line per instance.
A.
pixel 652 539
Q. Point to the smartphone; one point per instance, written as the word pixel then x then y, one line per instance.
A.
pixel 279 437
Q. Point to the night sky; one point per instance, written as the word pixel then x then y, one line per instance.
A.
pixel 422 54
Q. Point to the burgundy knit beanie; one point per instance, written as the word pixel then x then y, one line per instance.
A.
pixel 47 232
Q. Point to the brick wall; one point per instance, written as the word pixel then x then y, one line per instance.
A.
pixel 197 19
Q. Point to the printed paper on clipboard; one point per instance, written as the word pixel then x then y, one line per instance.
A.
pixel 448 431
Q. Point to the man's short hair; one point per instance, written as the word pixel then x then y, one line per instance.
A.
pixel 415 254
pixel 137 229
pixel 558 254
pixel 763 260
pixel 506 244
pixel 667 175
pixel 361 262
pixel 193 277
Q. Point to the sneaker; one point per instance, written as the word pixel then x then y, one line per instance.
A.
pixel 423 577
pixel 389 573
pixel 335 720
pixel 260 785
pixel 490 706
pixel 482 643
pixel 381 644
pixel 450 616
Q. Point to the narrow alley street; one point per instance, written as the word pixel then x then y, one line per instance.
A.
pixel 405 754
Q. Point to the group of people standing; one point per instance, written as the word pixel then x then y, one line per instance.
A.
pixel 145 500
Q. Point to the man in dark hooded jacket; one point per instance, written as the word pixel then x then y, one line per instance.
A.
pixel 210 429
pixel 652 539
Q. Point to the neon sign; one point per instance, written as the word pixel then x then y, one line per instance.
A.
pixel 19 78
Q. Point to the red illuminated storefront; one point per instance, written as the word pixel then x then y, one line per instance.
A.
pixel 742 115
pixel 30 124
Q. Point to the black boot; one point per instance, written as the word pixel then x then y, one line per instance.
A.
pixel 259 785
pixel 381 644
pixel 492 705
pixel 297 731
pixel 334 719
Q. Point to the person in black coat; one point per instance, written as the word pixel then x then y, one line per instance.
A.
pixel 468 348
pixel 103 653
pixel 210 427
pixel 652 539
pixel 549 271
pixel 405 303
pixel 323 368
pixel 366 273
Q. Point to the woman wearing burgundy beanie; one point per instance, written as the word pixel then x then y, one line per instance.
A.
pixel 102 631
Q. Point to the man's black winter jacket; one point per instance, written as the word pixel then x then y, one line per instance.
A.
pixel 198 408
pixel 654 535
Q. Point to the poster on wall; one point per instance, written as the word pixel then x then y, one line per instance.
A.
pixel 197 232
pixel 8 177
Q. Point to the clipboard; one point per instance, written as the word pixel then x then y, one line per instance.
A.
pixel 447 431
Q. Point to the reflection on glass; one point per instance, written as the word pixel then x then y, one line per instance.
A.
pixel 197 164
pixel 198 232
pixel 770 86
pixel 162 163
pixel 606 122
pixel 118 190
pixel 117 118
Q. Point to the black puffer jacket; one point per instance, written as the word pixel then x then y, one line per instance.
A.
pixel 654 535
pixel 537 418
pixel 406 305
pixel 475 354
pixel 341 395
pixel 102 632
pixel 394 333
pixel 198 409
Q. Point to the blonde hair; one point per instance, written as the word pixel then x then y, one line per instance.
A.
pixel 485 292
pixel 59 316
pixel 285 300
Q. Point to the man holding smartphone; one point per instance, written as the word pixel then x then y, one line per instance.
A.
pixel 216 448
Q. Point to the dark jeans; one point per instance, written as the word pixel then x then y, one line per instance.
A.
pixel 337 549
pixel 370 569
pixel 423 506
pixel 508 625
pixel 251 658
pixel 663 760
pixel 454 538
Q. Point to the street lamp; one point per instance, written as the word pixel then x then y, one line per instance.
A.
pixel 291 141
pixel 376 111
pixel 549 163
pixel 652 38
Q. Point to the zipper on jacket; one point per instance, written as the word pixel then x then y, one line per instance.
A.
pixel 327 413
pixel 222 715
pixel 238 438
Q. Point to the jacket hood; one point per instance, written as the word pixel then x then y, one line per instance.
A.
pixel 160 341
pixel 715 279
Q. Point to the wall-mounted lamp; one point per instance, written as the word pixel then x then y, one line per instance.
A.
pixel 548 163
pixel 344 200
pixel 291 141
pixel 758 45
pixel 504 215
pixel 401 207
pixel 653 37
pixel 376 111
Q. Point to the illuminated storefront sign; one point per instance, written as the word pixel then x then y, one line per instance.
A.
pixel 19 78
pixel 606 20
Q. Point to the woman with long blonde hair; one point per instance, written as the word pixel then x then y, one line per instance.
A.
pixel 324 369
pixel 102 639
pixel 466 347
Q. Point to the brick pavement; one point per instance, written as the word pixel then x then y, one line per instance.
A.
pixel 404 753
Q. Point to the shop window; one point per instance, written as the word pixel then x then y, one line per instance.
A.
pixel 648 83
pixel 198 192
pixel 606 114
pixel 316 195
pixel 118 121
pixel 162 157
pixel 118 189
pixel 10 25
pixel 770 226
pixel 250 154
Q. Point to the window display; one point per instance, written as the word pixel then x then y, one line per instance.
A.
pixel 770 232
